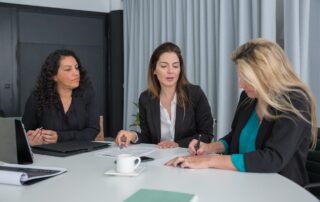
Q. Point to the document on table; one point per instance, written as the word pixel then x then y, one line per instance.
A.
pixel 135 150
pixel 23 174
pixel 172 153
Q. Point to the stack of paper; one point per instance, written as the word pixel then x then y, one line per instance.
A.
pixel 132 149
pixel 22 174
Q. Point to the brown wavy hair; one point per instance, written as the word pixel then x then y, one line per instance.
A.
pixel 154 86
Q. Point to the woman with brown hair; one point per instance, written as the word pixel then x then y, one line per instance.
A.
pixel 172 111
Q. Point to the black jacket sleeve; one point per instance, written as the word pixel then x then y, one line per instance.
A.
pixel 242 100
pixel 29 118
pixel 288 135
pixel 144 136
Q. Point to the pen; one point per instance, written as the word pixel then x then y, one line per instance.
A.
pixel 123 140
pixel 198 143
pixel 41 130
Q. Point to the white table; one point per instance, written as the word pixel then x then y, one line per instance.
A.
pixel 85 181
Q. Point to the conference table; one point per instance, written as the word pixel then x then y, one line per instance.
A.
pixel 85 181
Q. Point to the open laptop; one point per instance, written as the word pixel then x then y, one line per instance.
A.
pixel 14 147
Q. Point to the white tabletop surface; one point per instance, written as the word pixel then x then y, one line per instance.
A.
pixel 85 182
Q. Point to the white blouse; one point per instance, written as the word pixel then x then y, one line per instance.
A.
pixel 167 123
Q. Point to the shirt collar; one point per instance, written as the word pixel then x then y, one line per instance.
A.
pixel 174 100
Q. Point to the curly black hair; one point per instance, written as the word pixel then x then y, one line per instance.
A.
pixel 45 89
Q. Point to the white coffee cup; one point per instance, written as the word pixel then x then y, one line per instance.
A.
pixel 126 163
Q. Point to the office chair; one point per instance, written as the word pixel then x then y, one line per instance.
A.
pixel 313 169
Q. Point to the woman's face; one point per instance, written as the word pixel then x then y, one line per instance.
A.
pixel 68 75
pixel 168 69
pixel 251 92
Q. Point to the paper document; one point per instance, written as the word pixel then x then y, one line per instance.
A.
pixel 16 174
pixel 135 150
pixel 170 154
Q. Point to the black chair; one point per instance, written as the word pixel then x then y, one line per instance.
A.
pixel 313 168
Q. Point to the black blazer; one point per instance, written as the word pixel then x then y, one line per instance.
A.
pixel 81 122
pixel 281 144
pixel 196 119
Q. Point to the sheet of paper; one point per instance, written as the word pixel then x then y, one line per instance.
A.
pixel 135 150
pixel 164 159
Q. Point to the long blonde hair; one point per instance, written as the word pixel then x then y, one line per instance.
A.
pixel 263 65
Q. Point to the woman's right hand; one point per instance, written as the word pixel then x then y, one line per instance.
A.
pixel 203 148
pixel 125 137
pixel 35 137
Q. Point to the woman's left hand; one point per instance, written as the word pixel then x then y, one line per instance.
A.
pixel 167 144
pixel 49 136
pixel 190 162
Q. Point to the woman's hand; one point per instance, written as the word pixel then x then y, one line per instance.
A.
pixel 125 137
pixel 167 144
pixel 49 136
pixel 35 137
pixel 203 148
pixel 190 162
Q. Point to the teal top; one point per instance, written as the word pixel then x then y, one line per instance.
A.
pixel 247 141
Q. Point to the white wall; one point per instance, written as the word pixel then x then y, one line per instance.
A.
pixel 104 6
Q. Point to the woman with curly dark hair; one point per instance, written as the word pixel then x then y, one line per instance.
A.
pixel 62 107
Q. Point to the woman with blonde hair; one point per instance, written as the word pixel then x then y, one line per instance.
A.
pixel 275 121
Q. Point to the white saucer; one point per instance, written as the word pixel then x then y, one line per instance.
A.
pixel 135 173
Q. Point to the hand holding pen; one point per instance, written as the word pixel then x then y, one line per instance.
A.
pixel 197 146
pixel 124 138
pixel 35 137
pixel 123 142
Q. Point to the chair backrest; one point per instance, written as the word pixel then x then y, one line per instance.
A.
pixel 313 163
pixel 318 143
pixel 313 169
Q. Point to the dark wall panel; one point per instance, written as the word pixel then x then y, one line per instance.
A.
pixel 31 57
pixel 41 33
pixel 8 64
pixel 28 34
pixel 115 73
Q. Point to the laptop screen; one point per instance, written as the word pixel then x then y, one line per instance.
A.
pixel 14 147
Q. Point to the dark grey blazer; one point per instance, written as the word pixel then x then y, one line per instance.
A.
pixel 196 119
pixel 281 145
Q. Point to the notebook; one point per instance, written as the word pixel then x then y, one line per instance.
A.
pixel 15 174
pixel 63 149
pixel 147 195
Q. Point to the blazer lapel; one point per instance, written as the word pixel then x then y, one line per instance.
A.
pixel 155 116
pixel 245 115
pixel 264 130
pixel 179 121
